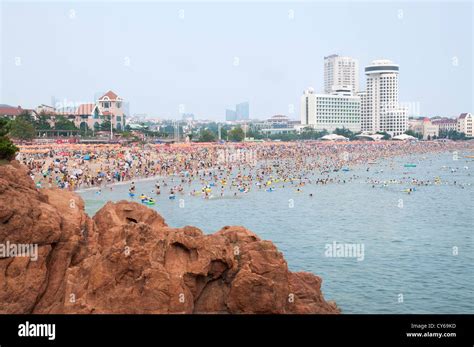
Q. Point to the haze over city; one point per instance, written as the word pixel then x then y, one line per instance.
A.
pixel 205 57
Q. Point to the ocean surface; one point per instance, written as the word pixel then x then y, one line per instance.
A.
pixel 418 247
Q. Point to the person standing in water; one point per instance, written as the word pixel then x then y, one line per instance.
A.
pixel 157 188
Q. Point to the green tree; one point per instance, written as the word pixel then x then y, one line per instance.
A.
pixel 43 122
pixel 21 129
pixel 207 135
pixel 105 125
pixel 7 148
pixel 224 133
pixel 412 133
pixel 309 133
pixel 4 126
pixel 284 137
pixel 344 132
pixel 451 134
pixel 236 134
pixel 253 133
pixel 62 123
pixel 26 116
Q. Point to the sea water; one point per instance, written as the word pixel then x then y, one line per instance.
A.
pixel 418 247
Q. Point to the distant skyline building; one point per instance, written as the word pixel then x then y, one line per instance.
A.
pixel 380 108
pixel 230 115
pixel 242 112
pixel 340 72
pixel 330 111
pixel 188 116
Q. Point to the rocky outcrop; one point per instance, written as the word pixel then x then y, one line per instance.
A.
pixel 127 260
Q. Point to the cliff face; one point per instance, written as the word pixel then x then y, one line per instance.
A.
pixel 127 260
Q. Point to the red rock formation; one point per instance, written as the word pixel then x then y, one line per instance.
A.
pixel 127 260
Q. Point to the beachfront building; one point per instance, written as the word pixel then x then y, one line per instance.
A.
pixel 11 112
pixel 278 121
pixel 330 111
pixel 88 116
pixel 108 107
pixel 425 127
pixel 340 72
pixel 278 124
pixel 45 109
pixel 464 124
pixel 380 109
pixel 446 124
pixel 111 108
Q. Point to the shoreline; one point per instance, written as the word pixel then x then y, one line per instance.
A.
pixel 103 170
pixel 354 165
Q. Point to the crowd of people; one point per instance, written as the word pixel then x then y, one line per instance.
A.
pixel 229 169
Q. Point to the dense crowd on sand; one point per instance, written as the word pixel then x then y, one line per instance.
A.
pixel 220 169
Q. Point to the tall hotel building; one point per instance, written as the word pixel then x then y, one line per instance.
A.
pixel 380 109
pixel 339 109
pixel 340 72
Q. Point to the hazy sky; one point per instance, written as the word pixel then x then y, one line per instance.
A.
pixel 208 56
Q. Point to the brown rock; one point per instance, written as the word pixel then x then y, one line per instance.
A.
pixel 127 260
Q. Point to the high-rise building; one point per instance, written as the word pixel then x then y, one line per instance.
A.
pixel 188 116
pixel 242 111
pixel 330 111
pixel 230 115
pixel 380 108
pixel 340 72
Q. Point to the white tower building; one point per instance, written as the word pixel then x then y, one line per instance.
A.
pixel 380 105
pixel 340 72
